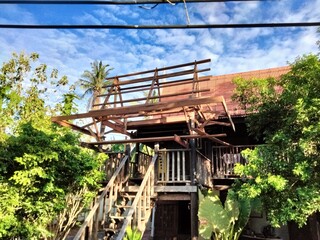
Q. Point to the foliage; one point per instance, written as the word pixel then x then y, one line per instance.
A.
pixel 69 105
pixel 93 81
pixel 24 88
pixel 285 171
pixel 133 234
pixel 225 222
pixel 42 166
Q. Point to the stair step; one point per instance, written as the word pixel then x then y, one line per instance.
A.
pixel 126 195
pixel 121 206
pixel 121 217
pixel 117 217
pixel 110 230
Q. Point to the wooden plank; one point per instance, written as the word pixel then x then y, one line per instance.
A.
pixel 178 166
pixel 173 166
pixel 175 189
pixel 183 166
pixel 160 106
pixel 162 85
pixel 178 139
pixel 155 139
pixel 211 122
pixel 155 97
pixel 168 166
pixel 200 132
pixel 154 81
pixel 161 76
pixel 174 197
pixel 162 120
pixel 164 68
pixel 117 128
pixel 74 127
pixel 228 114
pixel 194 215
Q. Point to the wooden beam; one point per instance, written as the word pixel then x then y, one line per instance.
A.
pixel 228 114
pixel 72 126
pixel 174 197
pixel 183 143
pixel 162 120
pixel 200 132
pixel 127 110
pixel 116 127
pixel 162 85
pixel 155 97
pixel 155 139
pixel 164 68
pixel 93 134
pixel 175 189
pixel 218 123
pixel 161 76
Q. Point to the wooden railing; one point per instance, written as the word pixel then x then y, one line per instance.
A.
pixel 140 210
pixel 173 166
pixel 224 159
pixel 139 168
pixel 102 205
pixel 204 170
pixel 112 163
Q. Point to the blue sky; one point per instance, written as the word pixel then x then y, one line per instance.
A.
pixel 231 50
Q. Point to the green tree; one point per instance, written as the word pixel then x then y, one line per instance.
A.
pixel 25 85
pixel 46 178
pixel 285 171
pixel 43 167
pixel 93 81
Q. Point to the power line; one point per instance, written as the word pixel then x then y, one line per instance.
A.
pixel 117 2
pixel 200 26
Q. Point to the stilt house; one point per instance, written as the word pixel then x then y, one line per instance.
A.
pixel 183 133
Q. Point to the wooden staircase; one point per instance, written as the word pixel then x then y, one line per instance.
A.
pixel 117 207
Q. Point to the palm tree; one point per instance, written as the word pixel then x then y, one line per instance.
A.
pixel 93 81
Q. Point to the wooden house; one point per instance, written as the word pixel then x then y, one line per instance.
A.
pixel 185 134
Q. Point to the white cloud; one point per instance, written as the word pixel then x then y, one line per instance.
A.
pixel 231 50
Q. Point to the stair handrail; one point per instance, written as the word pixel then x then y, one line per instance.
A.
pixel 105 191
pixel 146 179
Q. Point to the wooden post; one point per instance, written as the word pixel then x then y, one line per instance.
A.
pixel 136 161
pixel 127 167
pixel 156 167
pixel 194 196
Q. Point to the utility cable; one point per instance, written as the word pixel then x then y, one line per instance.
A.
pixel 118 2
pixel 200 26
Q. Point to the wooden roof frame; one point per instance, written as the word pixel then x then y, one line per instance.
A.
pixel 120 111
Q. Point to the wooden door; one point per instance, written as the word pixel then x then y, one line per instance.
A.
pixel 166 221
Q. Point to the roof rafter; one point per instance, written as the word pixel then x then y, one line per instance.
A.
pixel 181 101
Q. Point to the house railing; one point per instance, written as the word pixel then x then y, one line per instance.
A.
pixel 112 163
pixel 140 210
pixel 173 166
pixel 102 205
pixel 204 170
pixel 224 159
pixel 139 168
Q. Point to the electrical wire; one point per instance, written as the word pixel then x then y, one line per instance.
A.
pixel 201 26
pixel 118 2
pixel 149 8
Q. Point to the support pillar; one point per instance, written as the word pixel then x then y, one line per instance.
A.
pixel 194 196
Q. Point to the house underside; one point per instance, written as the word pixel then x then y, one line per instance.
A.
pixel 194 134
